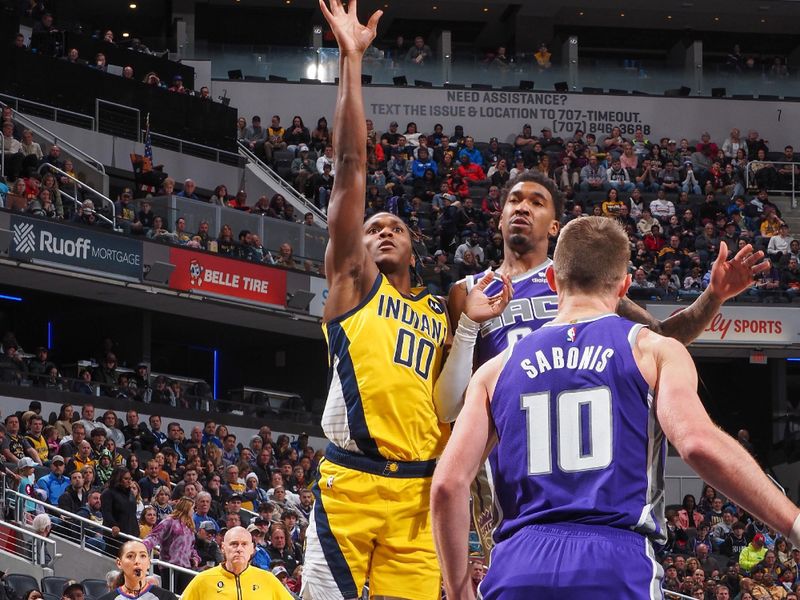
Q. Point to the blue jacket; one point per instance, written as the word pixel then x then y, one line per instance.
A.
pixel 475 157
pixel 418 168
pixel 53 486
pixel 261 559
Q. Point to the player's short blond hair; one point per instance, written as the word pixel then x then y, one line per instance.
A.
pixel 591 255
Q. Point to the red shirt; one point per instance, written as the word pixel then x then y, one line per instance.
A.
pixel 471 172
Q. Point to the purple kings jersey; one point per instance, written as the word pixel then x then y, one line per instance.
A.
pixel 533 305
pixel 578 440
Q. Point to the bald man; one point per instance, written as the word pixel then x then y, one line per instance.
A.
pixel 235 579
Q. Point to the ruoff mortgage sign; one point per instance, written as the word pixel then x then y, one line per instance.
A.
pixel 81 248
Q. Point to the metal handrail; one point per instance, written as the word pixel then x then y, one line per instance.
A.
pixel 21 499
pixel 283 184
pixel 775 481
pixel 181 143
pixel 56 110
pixel 59 141
pixel 748 174
pixel 37 544
pixel 155 562
pixel 78 183
pixel 129 108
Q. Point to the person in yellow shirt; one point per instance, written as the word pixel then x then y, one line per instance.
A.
pixel 542 57
pixel 236 579
pixel 771 225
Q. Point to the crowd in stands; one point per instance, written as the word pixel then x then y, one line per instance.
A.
pixel 179 493
pixel 677 199
pixel 716 551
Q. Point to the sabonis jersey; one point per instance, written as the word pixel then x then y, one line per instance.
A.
pixel 384 357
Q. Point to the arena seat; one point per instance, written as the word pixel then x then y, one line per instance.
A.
pixel 21 583
pixel 95 588
pixel 53 585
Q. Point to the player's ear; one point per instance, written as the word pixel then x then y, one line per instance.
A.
pixel 625 285
pixel 555 227
pixel 550 274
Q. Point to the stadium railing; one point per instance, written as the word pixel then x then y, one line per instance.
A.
pixel 750 178
pixel 26 544
pixel 97 171
pixel 77 183
pixel 276 180
pixel 75 529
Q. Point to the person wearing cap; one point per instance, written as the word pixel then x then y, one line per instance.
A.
pixel 206 546
pixel 389 140
pixel 235 578
pixel 302 169
pixel 233 506
pixel 27 482
pixel 54 484
pixel 753 553
pixel 177 85
pixel 261 557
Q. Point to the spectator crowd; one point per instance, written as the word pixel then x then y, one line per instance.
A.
pixel 179 493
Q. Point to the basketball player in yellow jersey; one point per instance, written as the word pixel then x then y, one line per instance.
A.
pixel 386 342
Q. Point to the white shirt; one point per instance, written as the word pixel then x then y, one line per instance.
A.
pixel 322 161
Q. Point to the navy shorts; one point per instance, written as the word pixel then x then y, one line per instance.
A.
pixel 553 562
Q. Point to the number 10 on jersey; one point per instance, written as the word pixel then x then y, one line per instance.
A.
pixel 582 431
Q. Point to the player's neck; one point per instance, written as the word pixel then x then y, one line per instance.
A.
pixel 400 281
pixel 578 307
pixel 519 262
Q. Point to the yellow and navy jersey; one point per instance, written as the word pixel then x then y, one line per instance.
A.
pixel 40 445
pixel 384 356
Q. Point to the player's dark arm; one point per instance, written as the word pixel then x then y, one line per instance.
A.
pixel 728 279
pixel 349 272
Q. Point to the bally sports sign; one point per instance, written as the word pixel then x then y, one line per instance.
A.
pixel 750 326
pixel 82 248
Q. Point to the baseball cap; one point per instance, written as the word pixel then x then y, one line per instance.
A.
pixel 261 521
pixel 439 253
pixel 57 458
pixel 252 528
pixel 208 526
pixel 546 129
pixel 234 497
pixel 671 142
pixel 759 537
pixel 35 404
pixel 278 571
pixel 303 148
pixel 494 139
pixel 393 124
pixel 26 462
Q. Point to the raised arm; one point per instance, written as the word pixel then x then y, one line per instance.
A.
pixel 472 438
pixel 349 271
pixel 714 455
pixel 728 279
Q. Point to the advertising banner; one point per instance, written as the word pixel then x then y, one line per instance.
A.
pixel 500 113
pixel 75 247
pixel 744 326
pixel 319 286
pixel 218 276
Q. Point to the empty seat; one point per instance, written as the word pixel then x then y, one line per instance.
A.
pixel 95 588
pixel 21 584
pixel 53 585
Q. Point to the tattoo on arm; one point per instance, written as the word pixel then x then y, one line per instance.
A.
pixel 684 326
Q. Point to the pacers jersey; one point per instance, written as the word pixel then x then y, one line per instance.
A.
pixel 578 437
pixel 384 358
pixel 534 304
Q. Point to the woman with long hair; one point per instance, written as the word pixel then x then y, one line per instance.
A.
pixel 688 515
pixel 119 508
pixel 133 562
pixel 161 502
pixel 282 548
pixel 225 242
pixel 296 135
pixel 175 537
pixel 64 423
pixel 321 137
pixel 147 520
pixel 133 467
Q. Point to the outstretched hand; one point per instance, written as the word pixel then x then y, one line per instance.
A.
pixel 730 278
pixel 353 37
pixel 479 307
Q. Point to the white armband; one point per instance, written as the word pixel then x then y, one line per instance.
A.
pixel 448 393
pixel 794 534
